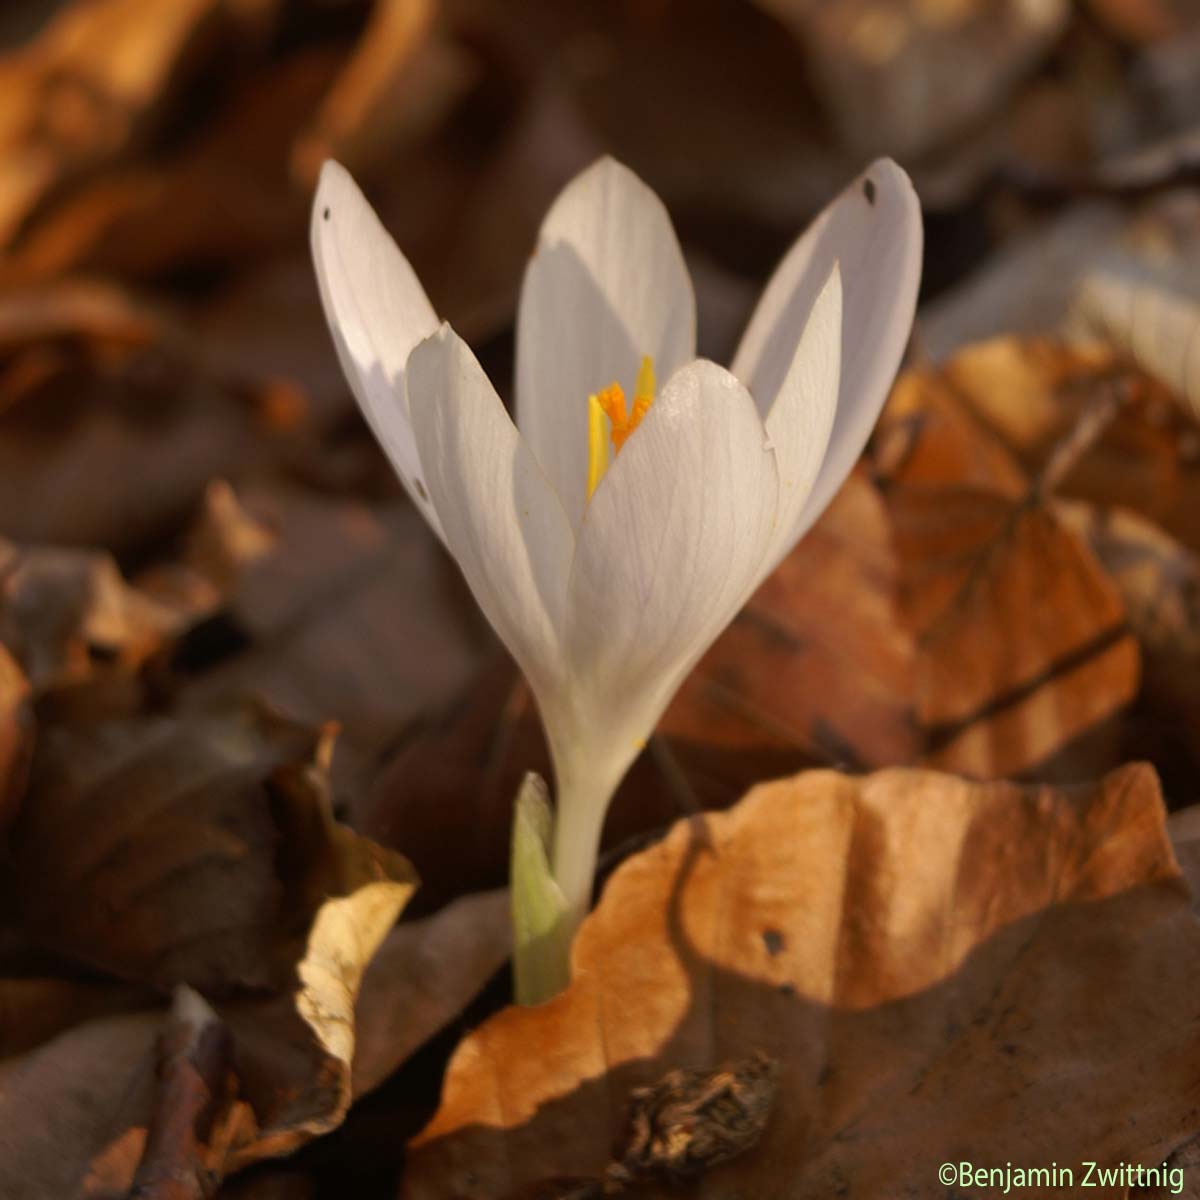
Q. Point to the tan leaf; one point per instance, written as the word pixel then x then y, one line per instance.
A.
pixel 922 956
pixel 1022 644
pixel 328 601
pixel 1146 460
pixel 904 77
pixel 69 617
pixel 206 853
pixel 400 79
pixel 149 850
pixel 16 736
pixel 1159 581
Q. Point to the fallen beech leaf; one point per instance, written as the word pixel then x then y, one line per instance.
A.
pixel 195 1112
pixel 16 736
pixel 235 876
pixel 905 77
pixel 1147 460
pixel 87 88
pixel 69 617
pixel 166 852
pixel 1159 581
pixel 350 614
pixel 400 79
pixel 921 954
pixel 1157 327
pixel 1022 643
pixel 423 974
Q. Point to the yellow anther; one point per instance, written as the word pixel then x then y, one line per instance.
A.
pixel 597 444
pixel 644 390
pixel 610 403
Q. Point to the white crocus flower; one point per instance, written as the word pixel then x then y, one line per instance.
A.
pixel 608 597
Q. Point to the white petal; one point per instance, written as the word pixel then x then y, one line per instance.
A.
pixel 606 285
pixel 873 231
pixel 670 547
pixel 801 419
pixel 377 312
pixel 501 519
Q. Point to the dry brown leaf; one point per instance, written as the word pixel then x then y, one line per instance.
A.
pixel 400 80
pixel 1022 644
pixel 205 853
pixel 329 615
pixel 196 1113
pixel 905 78
pixel 1030 392
pixel 922 956
pixel 1159 581
pixel 16 736
pixel 152 850
pixel 88 88
pixel 69 618
pixel 423 974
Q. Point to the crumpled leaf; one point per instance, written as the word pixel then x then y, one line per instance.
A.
pixel 1022 642
pixel 89 87
pixel 1159 581
pixel 904 77
pixel 400 79
pixel 187 861
pixel 1030 392
pixel 929 1006
pixel 69 617
pixel 310 590
pixel 16 736
pixel 422 976
pixel 211 858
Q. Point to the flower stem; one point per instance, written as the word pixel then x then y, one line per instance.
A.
pixel 582 805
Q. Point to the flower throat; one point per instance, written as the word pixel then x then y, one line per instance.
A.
pixel 608 406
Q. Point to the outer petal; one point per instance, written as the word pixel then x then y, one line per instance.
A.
pixel 671 546
pixel 607 285
pixel 873 230
pixel 377 312
pixel 501 519
pixel 801 419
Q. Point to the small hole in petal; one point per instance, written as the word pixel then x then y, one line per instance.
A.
pixel 420 489
pixel 325 214
pixel 868 191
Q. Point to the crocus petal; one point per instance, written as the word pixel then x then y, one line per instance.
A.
pixel 500 516
pixel 873 231
pixel 668 551
pixel 377 312
pixel 606 286
pixel 801 419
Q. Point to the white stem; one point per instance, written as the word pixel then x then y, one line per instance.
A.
pixel 583 799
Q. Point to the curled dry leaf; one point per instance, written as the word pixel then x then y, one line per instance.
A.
pixel 87 89
pixel 902 78
pixel 399 80
pixel 16 736
pixel 1159 581
pixel 69 617
pixel 922 956
pixel 195 1113
pixel 165 852
pixel 1022 643
pixel 205 853
pixel 311 588
pixel 424 973
pixel 1031 392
